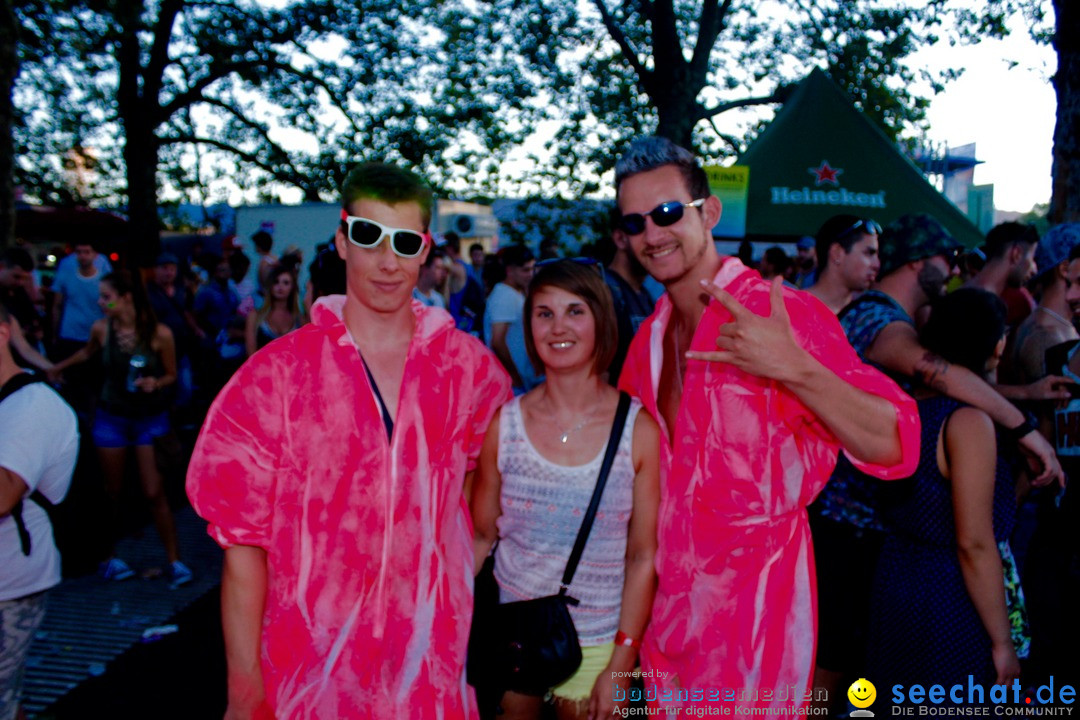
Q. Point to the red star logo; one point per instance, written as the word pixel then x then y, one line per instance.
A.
pixel 825 173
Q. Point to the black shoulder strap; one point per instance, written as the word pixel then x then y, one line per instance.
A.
pixel 18 382
pixel 590 514
pixel 15 383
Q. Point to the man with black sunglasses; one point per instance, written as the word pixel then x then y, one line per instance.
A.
pixel 331 469
pixel 756 390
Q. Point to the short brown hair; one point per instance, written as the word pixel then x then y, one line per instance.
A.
pixel 583 280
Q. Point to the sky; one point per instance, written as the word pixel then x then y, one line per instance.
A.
pixel 1007 113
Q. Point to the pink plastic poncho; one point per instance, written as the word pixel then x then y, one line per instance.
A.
pixel 734 620
pixel 369 544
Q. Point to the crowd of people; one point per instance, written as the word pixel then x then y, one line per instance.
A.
pixel 835 466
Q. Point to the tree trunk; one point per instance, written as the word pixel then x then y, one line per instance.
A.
pixel 676 120
pixel 141 162
pixel 9 66
pixel 1065 201
pixel 138 108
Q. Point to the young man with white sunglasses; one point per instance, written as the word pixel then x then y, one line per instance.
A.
pixel 331 468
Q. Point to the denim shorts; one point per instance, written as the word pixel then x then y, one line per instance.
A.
pixel 117 431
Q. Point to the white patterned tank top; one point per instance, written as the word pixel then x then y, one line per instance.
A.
pixel 543 505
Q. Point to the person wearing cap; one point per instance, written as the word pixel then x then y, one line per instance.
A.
pixel 805 263
pixel 848 264
pixel 331 468
pixel 918 256
pixel 756 390
pixel 1052 322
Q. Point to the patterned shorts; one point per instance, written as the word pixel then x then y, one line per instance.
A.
pixel 19 620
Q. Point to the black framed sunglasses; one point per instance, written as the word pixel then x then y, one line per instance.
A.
pixel 663 215
pixel 586 261
pixel 865 225
pixel 366 233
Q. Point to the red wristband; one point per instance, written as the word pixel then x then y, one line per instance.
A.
pixel 625 640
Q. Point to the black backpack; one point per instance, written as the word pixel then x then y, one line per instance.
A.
pixel 18 382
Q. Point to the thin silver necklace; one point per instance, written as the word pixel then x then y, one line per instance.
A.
pixel 566 433
pixel 1055 315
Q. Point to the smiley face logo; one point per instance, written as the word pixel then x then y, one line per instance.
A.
pixel 862 693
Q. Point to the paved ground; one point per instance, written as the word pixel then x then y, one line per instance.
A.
pixel 90 659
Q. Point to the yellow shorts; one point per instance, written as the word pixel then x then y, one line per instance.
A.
pixel 580 685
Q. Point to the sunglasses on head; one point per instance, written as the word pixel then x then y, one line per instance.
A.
pixel 368 234
pixel 867 226
pixel 663 215
pixel 586 261
pixel 952 257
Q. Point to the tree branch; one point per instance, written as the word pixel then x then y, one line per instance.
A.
pixel 290 178
pixel 628 51
pixel 159 51
pixel 781 94
pixel 710 25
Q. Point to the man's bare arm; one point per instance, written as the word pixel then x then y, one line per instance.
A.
pixel 243 602
pixel 898 349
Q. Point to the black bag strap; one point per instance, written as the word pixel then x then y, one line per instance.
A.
pixel 15 383
pixel 388 421
pixel 594 505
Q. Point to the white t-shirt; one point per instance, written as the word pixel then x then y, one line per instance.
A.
pixel 432 299
pixel 39 441
pixel 507 305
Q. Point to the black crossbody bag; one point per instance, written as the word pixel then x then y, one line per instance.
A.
pixel 530 646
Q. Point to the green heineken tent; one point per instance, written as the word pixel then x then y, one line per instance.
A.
pixel 820 157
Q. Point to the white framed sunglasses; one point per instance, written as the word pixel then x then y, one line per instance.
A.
pixel 367 233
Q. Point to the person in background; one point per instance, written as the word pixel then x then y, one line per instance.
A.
pixel 278 314
pixel 504 327
pixel 549 249
pixel 939 612
pixel 774 263
pixel 1010 263
pixel 625 277
pixel 806 263
pixel 75 310
pixel 264 244
pixel 39 446
pixel 245 286
pixel 432 277
pixel 169 301
pixel 848 263
pixel 538 468
pixel 217 301
pixel 326 275
pixel 15 267
pixel 467 297
pixel 139 358
pixel 476 260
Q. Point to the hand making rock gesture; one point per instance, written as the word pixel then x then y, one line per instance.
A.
pixel 762 346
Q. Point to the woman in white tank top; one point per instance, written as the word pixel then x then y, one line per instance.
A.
pixel 537 471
